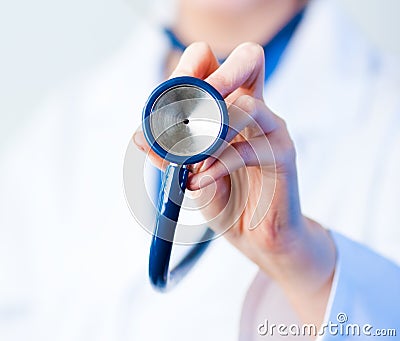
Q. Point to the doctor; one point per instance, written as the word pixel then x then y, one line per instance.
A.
pixel 75 268
pixel 297 253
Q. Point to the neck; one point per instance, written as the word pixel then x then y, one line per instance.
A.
pixel 224 30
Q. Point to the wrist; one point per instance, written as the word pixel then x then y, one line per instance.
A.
pixel 306 262
pixel 305 271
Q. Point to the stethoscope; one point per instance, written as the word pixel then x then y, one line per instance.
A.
pixel 185 120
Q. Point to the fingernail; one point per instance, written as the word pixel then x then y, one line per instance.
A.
pixel 194 168
pixel 198 167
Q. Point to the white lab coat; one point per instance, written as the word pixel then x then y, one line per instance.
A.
pixel 73 261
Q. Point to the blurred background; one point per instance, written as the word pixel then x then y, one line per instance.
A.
pixel 44 43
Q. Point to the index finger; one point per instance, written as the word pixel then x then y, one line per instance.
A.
pixel 197 60
pixel 244 68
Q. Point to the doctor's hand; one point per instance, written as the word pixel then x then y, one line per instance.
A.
pixel 251 184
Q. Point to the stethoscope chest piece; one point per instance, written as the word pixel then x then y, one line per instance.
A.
pixel 185 120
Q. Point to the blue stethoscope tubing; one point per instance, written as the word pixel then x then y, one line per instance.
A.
pixel 173 190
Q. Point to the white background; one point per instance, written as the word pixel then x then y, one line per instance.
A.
pixel 43 43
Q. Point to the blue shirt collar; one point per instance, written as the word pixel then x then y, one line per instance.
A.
pixel 273 50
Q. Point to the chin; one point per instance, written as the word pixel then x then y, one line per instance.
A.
pixel 226 5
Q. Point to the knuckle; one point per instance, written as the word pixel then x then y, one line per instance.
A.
pixel 290 149
pixel 248 104
pixel 281 123
pixel 223 81
pixel 286 147
pixel 245 151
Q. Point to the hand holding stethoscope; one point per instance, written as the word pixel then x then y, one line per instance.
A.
pixel 292 249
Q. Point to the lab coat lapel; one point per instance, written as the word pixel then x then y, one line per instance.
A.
pixel 320 89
